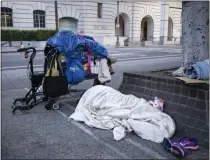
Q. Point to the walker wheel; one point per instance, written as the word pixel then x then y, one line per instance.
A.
pixel 18 103
pixel 48 106
pixel 56 106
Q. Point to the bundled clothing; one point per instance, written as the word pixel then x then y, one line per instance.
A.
pixel 70 44
pixel 196 71
pixel 199 70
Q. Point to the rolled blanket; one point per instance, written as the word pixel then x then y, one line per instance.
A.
pixel 199 70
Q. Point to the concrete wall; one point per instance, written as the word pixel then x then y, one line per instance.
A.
pixel 23 14
pixel 85 12
pixel 142 9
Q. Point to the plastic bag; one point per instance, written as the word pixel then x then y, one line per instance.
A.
pixel 75 71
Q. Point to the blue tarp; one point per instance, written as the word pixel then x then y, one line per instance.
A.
pixel 199 70
pixel 97 49
pixel 88 37
pixel 67 43
pixel 74 47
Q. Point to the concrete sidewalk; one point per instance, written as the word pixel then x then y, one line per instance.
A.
pixel 40 133
pixel 43 134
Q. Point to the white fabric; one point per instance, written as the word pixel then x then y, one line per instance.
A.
pixel 95 67
pixel 103 72
pixel 106 108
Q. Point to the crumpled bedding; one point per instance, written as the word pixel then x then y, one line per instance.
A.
pixel 199 70
pixel 106 108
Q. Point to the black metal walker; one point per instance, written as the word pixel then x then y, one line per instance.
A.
pixel 34 95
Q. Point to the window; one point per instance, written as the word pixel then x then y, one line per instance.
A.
pixel 68 23
pixel 122 26
pixel 6 17
pixel 99 10
pixel 39 19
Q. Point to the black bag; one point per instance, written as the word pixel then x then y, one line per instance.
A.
pixel 55 86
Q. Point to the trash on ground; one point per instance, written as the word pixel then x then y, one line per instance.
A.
pixel 157 103
pixel 192 81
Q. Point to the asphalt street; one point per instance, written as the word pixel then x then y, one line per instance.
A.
pixel 16 60
pixel 43 134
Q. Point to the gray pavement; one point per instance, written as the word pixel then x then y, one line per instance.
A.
pixel 42 134
pixel 48 134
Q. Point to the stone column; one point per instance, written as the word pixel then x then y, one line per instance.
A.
pixel 118 25
pixel 164 22
pixel 195 33
pixel 56 15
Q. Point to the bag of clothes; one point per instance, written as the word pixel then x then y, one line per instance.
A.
pixel 74 70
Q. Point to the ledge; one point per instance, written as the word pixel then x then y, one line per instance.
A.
pixel 188 105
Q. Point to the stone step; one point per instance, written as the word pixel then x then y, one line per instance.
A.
pixel 148 43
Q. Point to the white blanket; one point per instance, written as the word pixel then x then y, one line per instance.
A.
pixel 101 68
pixel 106 108
pixel 104 73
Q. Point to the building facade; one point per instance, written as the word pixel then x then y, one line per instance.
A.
pixel 150 22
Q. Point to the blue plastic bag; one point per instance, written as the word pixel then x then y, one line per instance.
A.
pixel 75 71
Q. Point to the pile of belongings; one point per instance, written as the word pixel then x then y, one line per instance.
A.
pixel 78 50
pixel 196 73
pixel 199 70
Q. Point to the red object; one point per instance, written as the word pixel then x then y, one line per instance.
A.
pixel 89 60
pixel 89 55
pixel 161 100
pixel 26 54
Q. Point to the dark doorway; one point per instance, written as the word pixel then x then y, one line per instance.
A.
pixel 145 31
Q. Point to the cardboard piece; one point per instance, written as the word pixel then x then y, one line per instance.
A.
pixel 192 81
